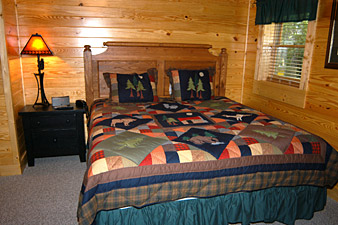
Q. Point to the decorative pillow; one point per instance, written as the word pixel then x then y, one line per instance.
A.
pixel 191 84
pixel 132 87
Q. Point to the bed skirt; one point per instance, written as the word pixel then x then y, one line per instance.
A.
pixel 283 204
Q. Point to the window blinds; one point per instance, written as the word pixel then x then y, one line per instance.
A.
pixel 282 52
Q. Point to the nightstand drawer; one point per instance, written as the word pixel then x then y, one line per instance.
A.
pixel 53 143
pixel 54 122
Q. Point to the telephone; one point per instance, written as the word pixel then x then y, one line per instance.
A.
pixel 82 104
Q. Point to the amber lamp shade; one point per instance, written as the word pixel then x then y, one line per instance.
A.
pixel 37 46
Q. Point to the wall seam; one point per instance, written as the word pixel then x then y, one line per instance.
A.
pixel 245 50
pixel 19 46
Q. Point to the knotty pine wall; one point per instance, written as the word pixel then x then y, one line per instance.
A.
pixel 68 25
pixel 320 115
pixel 12 151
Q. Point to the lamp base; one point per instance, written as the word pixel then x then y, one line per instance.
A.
pixel 41 104
pixel 41 92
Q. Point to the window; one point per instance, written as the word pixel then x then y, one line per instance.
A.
pixel 284 55
pixel 281 56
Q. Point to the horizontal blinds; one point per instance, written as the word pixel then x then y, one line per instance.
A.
pixel 283 51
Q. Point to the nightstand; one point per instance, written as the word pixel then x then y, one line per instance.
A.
pixel 49 132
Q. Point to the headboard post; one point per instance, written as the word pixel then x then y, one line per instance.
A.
pixel 88 68
pixel 223 72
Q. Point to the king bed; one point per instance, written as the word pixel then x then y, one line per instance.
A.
pixel 164 148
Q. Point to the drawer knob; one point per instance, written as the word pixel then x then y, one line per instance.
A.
pixel 38 123
pixel 55 140
pixel 67 121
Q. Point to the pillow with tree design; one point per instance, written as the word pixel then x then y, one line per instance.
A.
pixel 132 87
pixel 191 84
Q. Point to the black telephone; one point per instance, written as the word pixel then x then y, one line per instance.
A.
pixel 82 104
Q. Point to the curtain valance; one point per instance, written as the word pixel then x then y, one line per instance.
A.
pixel 281 11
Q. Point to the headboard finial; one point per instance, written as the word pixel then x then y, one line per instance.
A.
pixel 223 51
pixel 87 48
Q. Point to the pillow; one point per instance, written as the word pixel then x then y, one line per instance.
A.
pixel 191 84
pixel 132 87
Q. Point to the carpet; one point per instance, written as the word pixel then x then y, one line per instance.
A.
pixel 48 194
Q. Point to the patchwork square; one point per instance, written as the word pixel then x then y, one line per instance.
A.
pixel 236 117
pixel 133 146
pixel 168 106
pixel 97 155
pixel 315 147
pixel 212 142
pixel 124 122
pixel 281 138
pixel 182 119
pixel 214 104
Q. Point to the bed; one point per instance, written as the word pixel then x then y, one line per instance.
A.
pixel 164 148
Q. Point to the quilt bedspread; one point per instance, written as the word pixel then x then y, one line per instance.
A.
pixel 141 154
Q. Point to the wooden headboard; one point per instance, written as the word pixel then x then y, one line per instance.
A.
pixel 137 57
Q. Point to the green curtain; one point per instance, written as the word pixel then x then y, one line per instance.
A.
pixel 280 11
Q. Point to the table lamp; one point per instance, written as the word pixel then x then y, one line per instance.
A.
pixel 37 46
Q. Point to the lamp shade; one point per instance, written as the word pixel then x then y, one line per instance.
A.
pixel 36 46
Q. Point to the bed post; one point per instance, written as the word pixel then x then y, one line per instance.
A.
pixel 223 72
pixel 88 69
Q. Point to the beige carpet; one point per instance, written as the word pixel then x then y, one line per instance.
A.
pixel 47 194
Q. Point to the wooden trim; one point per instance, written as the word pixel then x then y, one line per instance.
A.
pixel 286 46
pixel 8 97
pixel 258 68
pixel 154 44
pixel 333 25
pixel 333 193
pixel 87 57
pixel 220 79
pixel 308 51
pixel 283 93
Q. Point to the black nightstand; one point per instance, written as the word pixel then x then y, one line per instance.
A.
pixel 50 132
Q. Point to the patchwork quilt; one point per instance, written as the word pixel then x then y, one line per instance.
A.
pixel 141 154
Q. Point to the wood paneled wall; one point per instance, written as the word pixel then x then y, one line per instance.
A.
pixel 12 152
pixel 320 115
pixel 68 25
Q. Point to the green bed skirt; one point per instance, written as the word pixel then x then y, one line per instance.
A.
pixel 283 204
